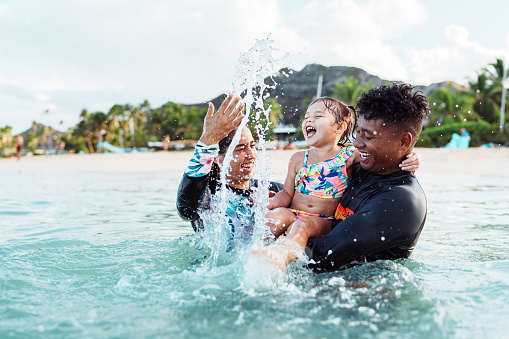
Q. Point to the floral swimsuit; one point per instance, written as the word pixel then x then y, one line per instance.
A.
pixel 327 179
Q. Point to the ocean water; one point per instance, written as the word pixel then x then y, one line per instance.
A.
pixel 105 255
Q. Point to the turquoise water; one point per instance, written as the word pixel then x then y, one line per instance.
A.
pixel 104 255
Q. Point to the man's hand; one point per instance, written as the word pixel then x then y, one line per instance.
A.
pixel 219 125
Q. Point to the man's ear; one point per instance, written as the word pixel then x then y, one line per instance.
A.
pixel 405 141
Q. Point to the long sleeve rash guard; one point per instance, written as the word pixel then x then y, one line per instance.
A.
pixel 380 217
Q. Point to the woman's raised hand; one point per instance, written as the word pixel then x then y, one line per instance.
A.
pixel 218 125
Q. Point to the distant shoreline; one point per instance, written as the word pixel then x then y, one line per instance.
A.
pixel 471 161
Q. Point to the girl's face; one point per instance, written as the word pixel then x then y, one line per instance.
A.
pixel 320 127
pixel 243 162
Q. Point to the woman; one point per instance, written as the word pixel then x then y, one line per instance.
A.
pixel 201 180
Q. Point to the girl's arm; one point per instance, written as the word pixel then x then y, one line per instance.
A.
pixel 411 163
pixel 284 198
pixel 353 160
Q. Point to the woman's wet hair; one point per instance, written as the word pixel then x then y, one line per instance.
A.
pixel 342 113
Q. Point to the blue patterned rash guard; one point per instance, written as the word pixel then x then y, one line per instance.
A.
pixel 197 193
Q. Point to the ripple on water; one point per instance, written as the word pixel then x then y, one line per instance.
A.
pixel 83 260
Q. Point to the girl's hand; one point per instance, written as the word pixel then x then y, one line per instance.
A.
pixel 411 163
pixel 270 205
pixel 219 125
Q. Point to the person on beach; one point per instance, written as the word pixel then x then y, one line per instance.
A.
pixel 166 142
pixel 201 180
pixel 19 145
pixel 316 178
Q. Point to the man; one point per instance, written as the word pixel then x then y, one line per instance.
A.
pixel 382 211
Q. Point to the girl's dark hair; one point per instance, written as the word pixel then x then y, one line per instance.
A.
pixel 343 113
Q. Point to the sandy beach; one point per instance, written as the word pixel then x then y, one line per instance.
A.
pixel 472 161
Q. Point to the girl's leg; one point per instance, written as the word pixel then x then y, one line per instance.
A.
pixel 288 248
pixel 307 227
pixel 279 219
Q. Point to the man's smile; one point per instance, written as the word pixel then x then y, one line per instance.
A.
pixel 364 155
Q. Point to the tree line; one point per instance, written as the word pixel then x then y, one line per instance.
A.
pixel 476 107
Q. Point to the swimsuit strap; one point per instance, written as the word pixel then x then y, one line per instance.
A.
pixel 305 159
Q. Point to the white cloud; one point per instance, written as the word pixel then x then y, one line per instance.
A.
pixel 92 54
pixel 457 58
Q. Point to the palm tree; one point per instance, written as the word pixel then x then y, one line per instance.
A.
pixel 90 126
pixel 6 139
pixel 496 71
pixel 350 90
pixel 139 116
pixel 486 95
pixel 275 113
pixel 449 105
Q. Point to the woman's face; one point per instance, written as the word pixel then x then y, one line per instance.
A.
pixel 243 162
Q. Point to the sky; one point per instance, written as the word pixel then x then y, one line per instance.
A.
pixel 60 57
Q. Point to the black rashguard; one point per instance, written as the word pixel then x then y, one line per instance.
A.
pixel 380 217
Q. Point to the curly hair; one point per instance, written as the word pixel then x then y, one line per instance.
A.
pixel 398 105
pixel 343 113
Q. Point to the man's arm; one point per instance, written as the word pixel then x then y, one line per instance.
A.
pixel 195 181
pixel 389 222
pixel 189 196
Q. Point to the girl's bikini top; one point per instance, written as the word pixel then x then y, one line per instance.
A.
pixel 327 179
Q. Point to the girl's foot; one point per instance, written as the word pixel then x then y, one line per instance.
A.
pixel 280 254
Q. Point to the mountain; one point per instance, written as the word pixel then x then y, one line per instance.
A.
pixel 45 135
pixel 293 87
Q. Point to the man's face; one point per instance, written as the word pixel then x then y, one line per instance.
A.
pixel 378 145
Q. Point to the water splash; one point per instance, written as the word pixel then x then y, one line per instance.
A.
pixel 251 72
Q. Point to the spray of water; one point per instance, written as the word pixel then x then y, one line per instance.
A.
pixel 252 68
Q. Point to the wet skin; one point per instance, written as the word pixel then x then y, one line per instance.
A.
pixel 243 163
pixel 381 148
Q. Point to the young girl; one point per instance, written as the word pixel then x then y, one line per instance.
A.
pixel 316 180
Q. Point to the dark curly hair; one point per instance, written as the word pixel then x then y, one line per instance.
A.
pixel 343 113
pixel 398 105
